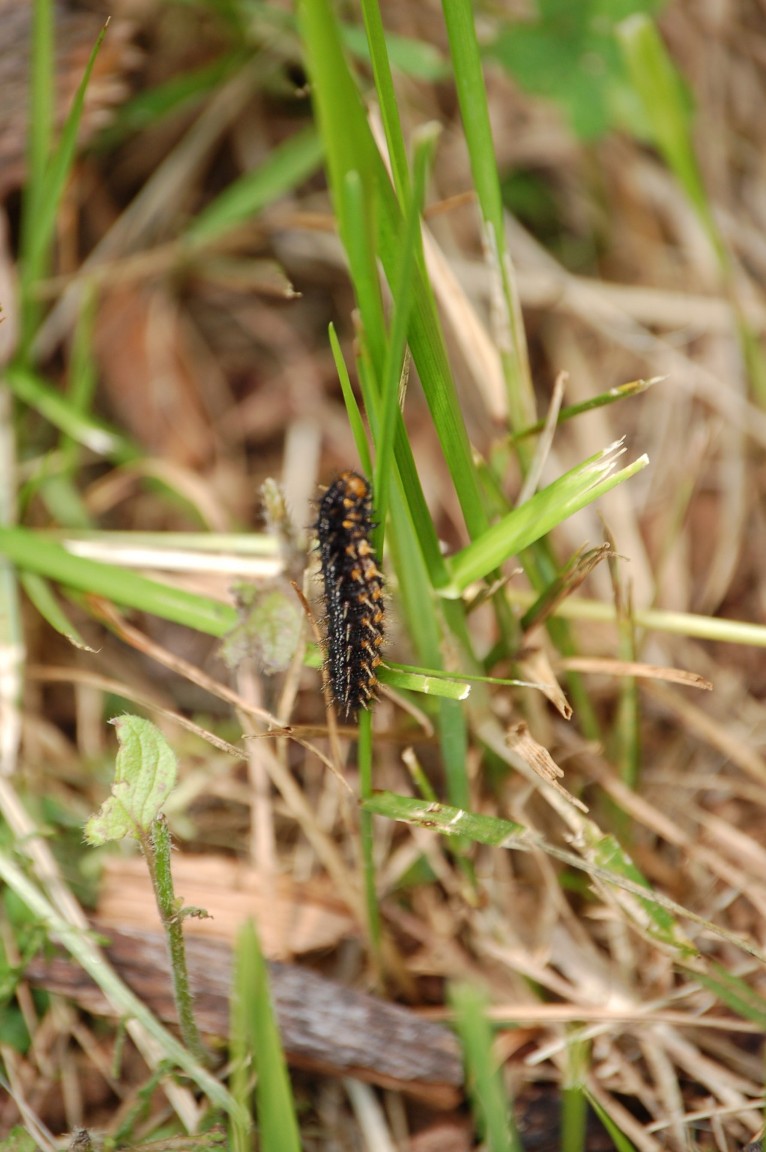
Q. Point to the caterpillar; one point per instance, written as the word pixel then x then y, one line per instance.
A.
pixel 353 593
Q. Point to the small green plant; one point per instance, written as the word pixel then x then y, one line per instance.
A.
pixel 145 774
pixel 569 54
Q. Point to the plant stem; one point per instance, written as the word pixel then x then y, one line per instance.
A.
pixel 157 849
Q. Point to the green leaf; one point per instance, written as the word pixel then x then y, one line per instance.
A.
pixel 270 626
pixel 570 55
pixel 144 776
pixel 32 552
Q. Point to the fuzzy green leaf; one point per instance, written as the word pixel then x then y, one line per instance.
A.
pixel 145 773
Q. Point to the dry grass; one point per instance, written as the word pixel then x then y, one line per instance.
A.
pixel 224 379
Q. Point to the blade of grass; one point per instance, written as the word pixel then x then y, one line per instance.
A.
pixel 619 1139
pixel 491 1107
pixel 569 411
pixel 287 166
pixel 384 86
pixel 349 146
pixel 668 108
pixel 48 173
pixel 542 512
pixel 31 552
pixel 402 291
pixel 497 833
pixel 78 425
pixel 574 1104
pixel 472 97
pixel 254 1030
pixel 353 410
pixel 669 111
pixel 41 595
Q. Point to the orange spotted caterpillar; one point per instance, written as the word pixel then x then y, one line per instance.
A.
pixel 353 593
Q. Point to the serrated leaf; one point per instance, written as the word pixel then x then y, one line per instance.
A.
pixel 145 773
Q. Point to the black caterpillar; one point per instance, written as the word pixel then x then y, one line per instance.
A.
pixel 353 593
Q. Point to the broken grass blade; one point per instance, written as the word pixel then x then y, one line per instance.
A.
pixel 428 683
pixel 498 833
pixel 569 411
pixel 543 512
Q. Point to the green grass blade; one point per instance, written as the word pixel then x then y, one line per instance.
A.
pixel 39 143
pixel 31 552
pixel 285 168
pixel 41 595
pixel 619 1139
pixel 734 992
pixel 359 230
pixel 353 411
pixel 669 112
pixel 574 1103
pixel 491 1106
pixel 48 172
pixel 384 86
pixel 569 411
pixel 349 147
pixel 78 425
pixel 429 683
pixel 472 96
pixel 403 295
pixel 541 513
pixel 255 1027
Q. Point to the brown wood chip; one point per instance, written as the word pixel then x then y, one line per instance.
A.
pixel 325 1026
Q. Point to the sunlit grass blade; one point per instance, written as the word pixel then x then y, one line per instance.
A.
pixel 490 1103
pixel 31 552
pixel 428 683
pixel 541 513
